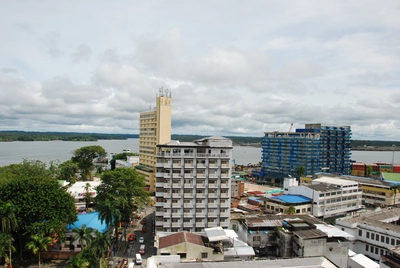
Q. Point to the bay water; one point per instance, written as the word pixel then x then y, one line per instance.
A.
pixel 15 152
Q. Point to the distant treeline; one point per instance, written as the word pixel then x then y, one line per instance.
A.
pixel 73 136
pixel 64 136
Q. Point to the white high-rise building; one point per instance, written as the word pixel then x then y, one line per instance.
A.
pixel 193 187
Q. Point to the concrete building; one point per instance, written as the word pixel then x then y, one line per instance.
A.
pixel 315 147
pixel 331 196
pixel 375 192
pixel 214 244
pixel 283 204
pixel 315 262
pixel 78 191
pixel 155 128
pixel 193 188
pixel 290 236
pixel 373 233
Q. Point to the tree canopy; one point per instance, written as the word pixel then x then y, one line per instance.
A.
pixel 40 202
pixel 84 157
pixel 120 193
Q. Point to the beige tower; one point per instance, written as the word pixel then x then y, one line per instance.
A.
pixel 155 128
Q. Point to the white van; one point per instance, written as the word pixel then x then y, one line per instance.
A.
pixel 138 259
pixel 131 265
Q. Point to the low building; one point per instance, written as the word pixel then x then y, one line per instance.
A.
pixel 331 197
pixel 78 191
pixel 392 257
pixel 316 262
pixel 361 261
pixel 216 244
pixel 373 233
pixel 283 204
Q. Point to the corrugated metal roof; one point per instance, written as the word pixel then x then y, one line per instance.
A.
pixel 310 234
pixel 179 238
pixel 216 234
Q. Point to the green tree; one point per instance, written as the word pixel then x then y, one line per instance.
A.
pixel 101 244
pixel 88 196
pixel 40 201
pixel 300 171
pixel 6 247
pixel 120 193
pixel 84 158
pixel 109 213
pixel 395 188
pixel 68 171
pixel 37 243
pixel 291 210
pixel 8 224
pixel 79 261
pixel 83 235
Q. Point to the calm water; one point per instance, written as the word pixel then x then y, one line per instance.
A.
pixel 46 151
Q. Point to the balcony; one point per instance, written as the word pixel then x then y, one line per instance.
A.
pixel 167 195
pixel 177 165
pixel 167 165
pixel 188 185
pixel 212 214
pixel 159 213
pixel 225 175
pixel 212 185
pixel 177 175
pixel 176 155
pixel 212 195
pixel 201 175
pixel 176 185
pixel 159 184
pixel 200 195
pixel 188 195
pixel 159 194
pixel 160 164
pixel 176 215
pixel 159 204
pixel 167 185
pixel 189 165
pixel 212 205
pixel 201 165
pixel 224 195
pixel 213 175
pixel 200 185
pixel 176 224
pixel 200 215
pixel 159 223
pixel 167 205
pixel 187 224
pixel 176 195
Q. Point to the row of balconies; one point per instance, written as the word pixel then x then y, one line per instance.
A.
pixel 167 185
pixel 192 205
pixel 192 224
pixel 203 195
pixel 192 175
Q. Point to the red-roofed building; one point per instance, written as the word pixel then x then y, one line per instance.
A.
pixel 189 247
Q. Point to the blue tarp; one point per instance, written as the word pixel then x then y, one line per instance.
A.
pixel 90 220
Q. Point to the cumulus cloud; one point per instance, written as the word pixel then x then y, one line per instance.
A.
pixel 238 71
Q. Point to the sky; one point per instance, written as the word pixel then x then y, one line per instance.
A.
pixel 234 68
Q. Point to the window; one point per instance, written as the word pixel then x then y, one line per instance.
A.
pixel 382 239
pixel 376 250
pixel 182 255
pixel 359 232
pixel 387 240
pixel 392 242
pixel 367 235
pixel 204 255
pixel 371 249
pixel 377 237
pixel 366 247
pixel 372 236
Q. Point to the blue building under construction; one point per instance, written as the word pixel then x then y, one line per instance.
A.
pixel 316 148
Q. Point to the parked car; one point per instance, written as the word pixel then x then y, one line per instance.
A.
pixel 143 229
pixel 131 237
pixel 141 240
pixel 144 221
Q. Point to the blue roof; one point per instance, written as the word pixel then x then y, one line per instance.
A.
pixel 290 198
pixel 90 220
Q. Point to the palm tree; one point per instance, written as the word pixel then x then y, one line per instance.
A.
pixel 101 244
pixel 37 243
pixel 8 223
pixel 83 234
pixel 291 210
pixel 300 171
pixel 109 213
pixel 79 261
pixel 395 188
pixel 6 247
pixel 88 196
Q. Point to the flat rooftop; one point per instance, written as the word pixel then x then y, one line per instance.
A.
pixel 291 198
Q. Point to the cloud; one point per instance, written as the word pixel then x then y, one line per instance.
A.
pixel 82 53
pixel 237 71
